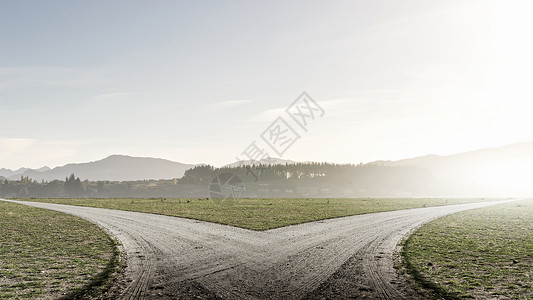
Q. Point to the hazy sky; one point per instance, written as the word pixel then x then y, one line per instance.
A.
pixel 198 81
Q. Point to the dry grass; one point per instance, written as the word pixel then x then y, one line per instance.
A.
pixel 260 214
pixel 46 254
pixel 480 254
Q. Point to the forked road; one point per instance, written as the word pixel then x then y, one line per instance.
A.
pixel 169 257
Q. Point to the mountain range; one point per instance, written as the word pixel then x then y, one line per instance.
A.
pixel 496 171
pixel 120 168
pixel 499 169
pixel 6 173
pixel 112 168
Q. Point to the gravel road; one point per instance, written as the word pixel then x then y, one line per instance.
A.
pixel 349 257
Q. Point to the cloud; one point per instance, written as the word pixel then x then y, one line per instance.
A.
pixel 269 115
pixel 228 103
pixel 110 100
pixel 333 107
pixel 9 147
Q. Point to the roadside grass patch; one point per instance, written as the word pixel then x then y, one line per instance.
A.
pixel 47 254
pixel 260 214
pixel 484 253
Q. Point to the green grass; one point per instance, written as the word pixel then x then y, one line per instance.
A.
pixel 479 254
pixel 47 254
pixel 259 214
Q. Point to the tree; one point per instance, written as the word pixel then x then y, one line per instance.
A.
pixel 73 186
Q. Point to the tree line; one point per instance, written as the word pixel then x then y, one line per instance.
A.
pixel 261 180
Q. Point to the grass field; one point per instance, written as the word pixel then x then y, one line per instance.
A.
pixel 259 214
pixel 480 254
pixel 47 254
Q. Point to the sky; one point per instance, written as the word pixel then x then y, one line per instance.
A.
pixel 202 81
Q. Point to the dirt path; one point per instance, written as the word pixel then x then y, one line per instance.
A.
pixel 350 257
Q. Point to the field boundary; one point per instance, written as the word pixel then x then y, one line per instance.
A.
pixel 102 283
pixel 261 214
pixel 418 280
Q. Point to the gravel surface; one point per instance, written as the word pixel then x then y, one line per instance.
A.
pixel 343 258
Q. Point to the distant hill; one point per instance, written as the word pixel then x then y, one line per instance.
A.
pixel 113 168
pixel 43 169
pixel 268 161
pixel 501 170
pixel 7 172
pixel 493 172
pixel 521 152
